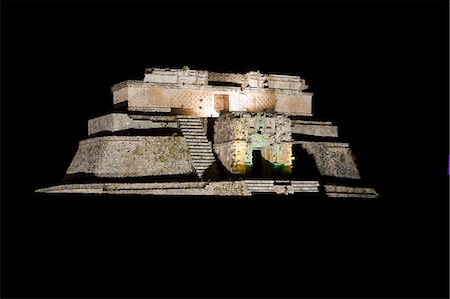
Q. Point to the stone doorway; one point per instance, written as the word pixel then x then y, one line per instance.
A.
pixel 257 164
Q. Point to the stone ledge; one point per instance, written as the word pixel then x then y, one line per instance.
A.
pixel 339 191
pixel 326 144
pixel 311 122
pixel 115 122
pixel 221 188
pixel 314 128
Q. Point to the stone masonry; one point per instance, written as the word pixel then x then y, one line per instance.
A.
pixel 183 132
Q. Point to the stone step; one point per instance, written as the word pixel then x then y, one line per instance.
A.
pixel 193 130
pixel 191 126
pixel 203 161
pixel 282 182
pixel 260 186
pixel 183 122
pixel 258 181
pixel 203 158
pixel 186 117
pixel 194 133
pixel 195 136
pixel 202 167
pixel 204 146
pixel 200 150
pixel 304 183
pixel 199 144
pixel 306 190
pixel 198 164
pixel 194 140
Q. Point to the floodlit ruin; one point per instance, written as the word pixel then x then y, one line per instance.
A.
pixel 185 132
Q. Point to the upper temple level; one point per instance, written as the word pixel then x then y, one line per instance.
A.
pixel 208 94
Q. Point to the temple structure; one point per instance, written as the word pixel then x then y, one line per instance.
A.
pixel 190 132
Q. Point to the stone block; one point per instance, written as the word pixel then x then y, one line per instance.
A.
pixel 332 158
pixel 132 156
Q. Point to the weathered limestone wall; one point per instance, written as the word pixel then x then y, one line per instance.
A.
pixel 228 77
pixel 176 76
pixel 115 122
pixel 198 77
pixel 234 155
pixel 132 156
pixel 314 128
pixel 201 100
pixel 259 127
pixel 332 158
pixel 237 134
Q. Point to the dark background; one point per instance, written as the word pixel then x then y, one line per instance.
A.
pixel 378 70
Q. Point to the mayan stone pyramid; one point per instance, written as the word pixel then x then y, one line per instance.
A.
pixel 182 132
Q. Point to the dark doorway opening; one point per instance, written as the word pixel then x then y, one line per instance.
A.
pixel 257 166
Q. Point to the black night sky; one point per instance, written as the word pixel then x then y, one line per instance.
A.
pixel 379 70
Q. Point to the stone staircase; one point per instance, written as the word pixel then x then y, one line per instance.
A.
pixel 305 186
pixel 281 186
pixel 199 147
pixel 258 186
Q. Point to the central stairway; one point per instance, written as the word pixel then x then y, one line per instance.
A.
pixel 281 186
pixel 199 147
pixel 260 186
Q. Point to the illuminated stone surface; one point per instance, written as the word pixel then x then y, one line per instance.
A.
pixel 191 132
pixel 238 134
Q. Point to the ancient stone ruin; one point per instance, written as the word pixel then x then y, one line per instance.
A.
pixel 189 132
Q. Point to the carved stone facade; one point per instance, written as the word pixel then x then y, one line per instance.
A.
pixel 167 90
pixel 238 135
pixel 193 132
